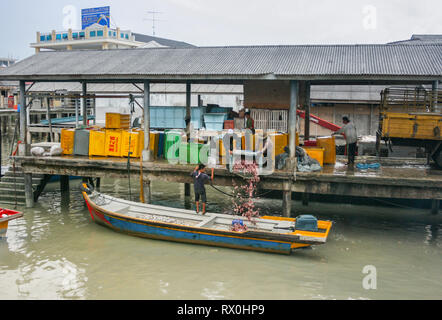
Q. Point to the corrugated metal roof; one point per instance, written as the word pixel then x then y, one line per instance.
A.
pixel 159 88
pixel 420 39
pixel 318 62
pixel 165 42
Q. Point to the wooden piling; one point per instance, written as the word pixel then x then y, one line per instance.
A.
pixel 286 199
pixel 305 199
pixel 187 189
pixel 435 206
pixel 64 190
pixel 147 191
pixel 29 193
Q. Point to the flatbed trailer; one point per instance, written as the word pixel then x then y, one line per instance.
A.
pixel 411 117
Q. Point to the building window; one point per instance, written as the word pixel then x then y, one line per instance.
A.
pixel 82 34
pixel 75 35
pixel 93 33
pixel 42 38
pixel 58 37
pixel 99 33
pixel 48 37
pixel 65 36
pixel 127 36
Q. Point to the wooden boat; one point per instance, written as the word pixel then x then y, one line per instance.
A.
pixel 6 216
pixel 267 234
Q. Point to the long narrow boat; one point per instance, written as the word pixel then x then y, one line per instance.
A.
pixel 6 216
pixel 267 234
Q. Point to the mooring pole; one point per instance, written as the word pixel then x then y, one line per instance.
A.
pixel 146 155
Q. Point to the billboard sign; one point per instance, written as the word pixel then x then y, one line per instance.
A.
pixel 93 16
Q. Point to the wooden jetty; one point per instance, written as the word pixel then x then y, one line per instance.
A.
pixel 391 181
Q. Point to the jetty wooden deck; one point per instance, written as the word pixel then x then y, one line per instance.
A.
pixel 410 181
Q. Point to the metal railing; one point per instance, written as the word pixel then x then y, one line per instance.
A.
pixel 406 100
pixel 89 33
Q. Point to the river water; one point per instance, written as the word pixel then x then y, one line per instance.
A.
pixel 56 252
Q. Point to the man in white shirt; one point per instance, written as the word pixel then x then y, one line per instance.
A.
pixel 349 130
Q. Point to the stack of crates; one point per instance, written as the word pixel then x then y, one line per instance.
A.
pixel 117 121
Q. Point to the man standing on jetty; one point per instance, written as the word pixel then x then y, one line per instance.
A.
pixel 200 178
pixel 349 130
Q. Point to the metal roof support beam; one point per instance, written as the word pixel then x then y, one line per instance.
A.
pixel 24 147
pixel 188 108
pixel 84 84
pixel 435 87
pixel 294 93
pixel 146 151
pixel 306 103
pixel 287 192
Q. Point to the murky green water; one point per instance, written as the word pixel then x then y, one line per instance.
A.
pixel 56 252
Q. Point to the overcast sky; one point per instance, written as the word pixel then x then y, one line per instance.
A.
pixel 232 22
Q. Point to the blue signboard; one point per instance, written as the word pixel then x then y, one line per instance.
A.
pixel 92 16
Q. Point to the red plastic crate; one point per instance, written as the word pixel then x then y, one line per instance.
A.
pixel 310 143
pixel 229 124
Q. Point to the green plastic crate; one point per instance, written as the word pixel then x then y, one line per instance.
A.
pixel 184 153
pixel 172 143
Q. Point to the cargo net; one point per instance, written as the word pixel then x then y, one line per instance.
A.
pixel 411 100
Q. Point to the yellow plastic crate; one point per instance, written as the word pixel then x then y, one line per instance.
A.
pixel 316 153
pixel 222 151
pixel 67 141
pixel 113 143
pixel 97 143
pixel 134 137
pixel 329 145
pixel 154 141
pixel 245 143
pixel 117 121
pixel 280 141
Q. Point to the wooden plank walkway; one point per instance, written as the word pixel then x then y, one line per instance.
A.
pixel 416 181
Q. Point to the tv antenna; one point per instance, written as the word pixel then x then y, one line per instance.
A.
pixel 153 19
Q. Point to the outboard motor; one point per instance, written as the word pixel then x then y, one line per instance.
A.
pixel 306 223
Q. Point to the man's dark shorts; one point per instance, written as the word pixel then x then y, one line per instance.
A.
pixel 202 194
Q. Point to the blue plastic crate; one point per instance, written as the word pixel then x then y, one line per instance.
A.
pixel 218 109
pixel 215 117
pixel 214 125
pixel 173 117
